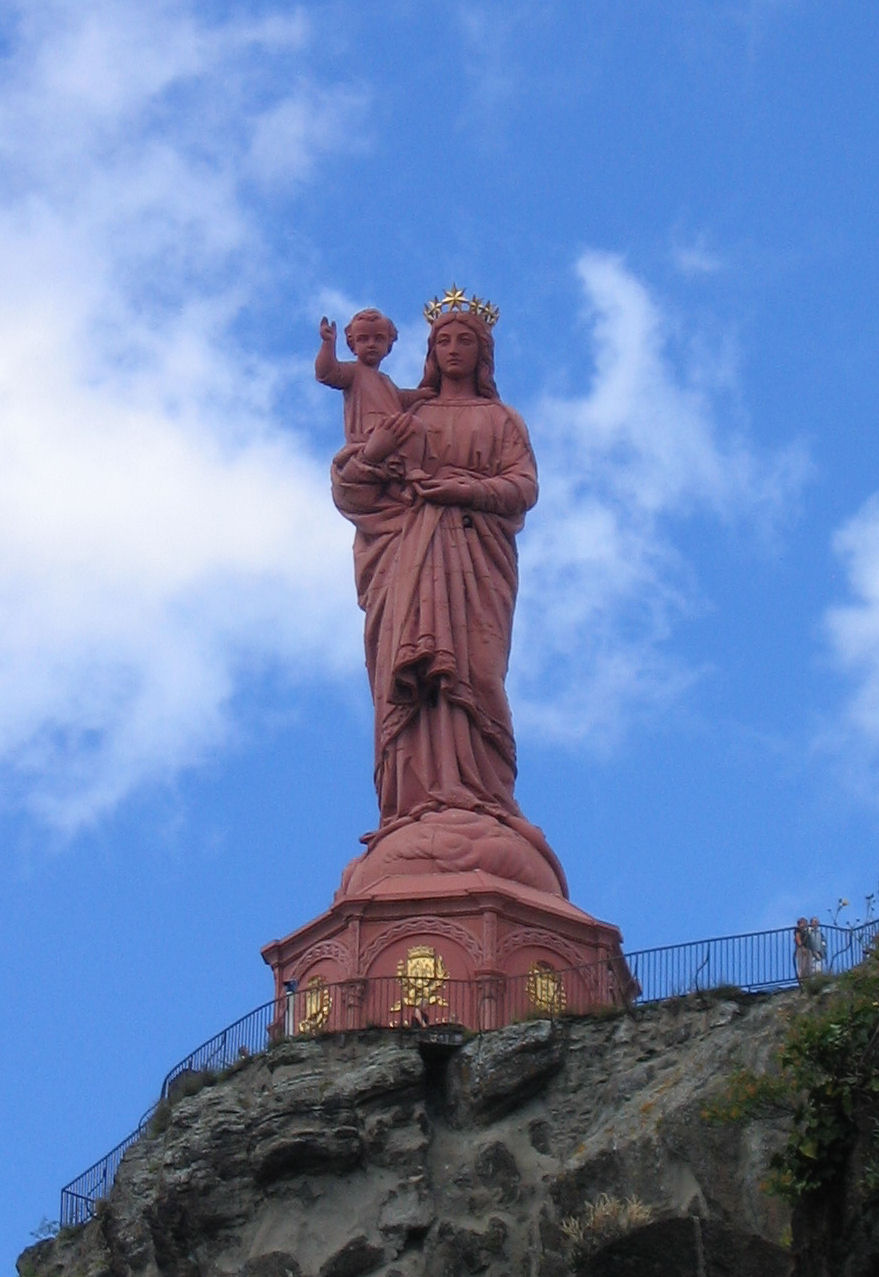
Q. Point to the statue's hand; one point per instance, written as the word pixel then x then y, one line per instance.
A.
pixel 386 437
pixel 457 489
pixel 327 330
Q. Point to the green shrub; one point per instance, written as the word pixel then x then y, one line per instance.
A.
pixel 161 1118
pixel 826 1076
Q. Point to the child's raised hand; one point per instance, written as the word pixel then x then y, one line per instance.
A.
pixel 327 330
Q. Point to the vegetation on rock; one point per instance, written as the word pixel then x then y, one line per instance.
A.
pixel 825 1078
pixel 826 1075
pixel 604 1220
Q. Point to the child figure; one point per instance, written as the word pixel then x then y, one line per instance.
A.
pixel 378 415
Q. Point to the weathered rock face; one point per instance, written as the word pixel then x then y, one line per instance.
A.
pixel 836 1230
pixel 359 1155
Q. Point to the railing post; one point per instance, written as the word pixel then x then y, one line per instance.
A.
pixel 353 998
pixel 489 993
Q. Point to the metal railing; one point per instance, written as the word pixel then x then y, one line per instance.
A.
pixel 401 1002
pixel 752 962
pixel 247 1036
pixel 79 1196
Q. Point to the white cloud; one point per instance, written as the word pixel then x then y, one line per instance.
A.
pixel 488 64
pixel 694 257
pixel 603 579
pixel 853 628
pixel 159 532
pixel 289 139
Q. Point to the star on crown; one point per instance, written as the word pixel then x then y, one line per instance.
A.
pixel 456 299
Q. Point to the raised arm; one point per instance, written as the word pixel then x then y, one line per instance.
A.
pixel 327 368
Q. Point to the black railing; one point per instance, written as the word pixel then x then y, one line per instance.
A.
pixel 246 1036
pixel 753 962
pixel 79 1197
pixel 406 1002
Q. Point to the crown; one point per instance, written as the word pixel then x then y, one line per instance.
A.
pixel 455 299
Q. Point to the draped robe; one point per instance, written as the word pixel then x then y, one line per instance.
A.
pixel 438 586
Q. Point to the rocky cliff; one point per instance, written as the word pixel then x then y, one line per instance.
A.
pixel 541 1149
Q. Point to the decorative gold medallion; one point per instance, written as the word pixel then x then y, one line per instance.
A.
pixel 546 989
pixel 422 975
pixel 318 1005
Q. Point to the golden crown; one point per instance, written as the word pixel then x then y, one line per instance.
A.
pixel 456 299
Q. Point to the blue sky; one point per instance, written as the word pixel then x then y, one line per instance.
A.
pixel 675 208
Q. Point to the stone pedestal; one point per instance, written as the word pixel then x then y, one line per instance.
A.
pixel 467 948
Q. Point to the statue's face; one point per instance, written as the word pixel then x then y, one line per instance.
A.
pixel 457 351
pixel 370 341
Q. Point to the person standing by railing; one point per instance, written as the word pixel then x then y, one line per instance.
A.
pixel 817 946
pixel 803 957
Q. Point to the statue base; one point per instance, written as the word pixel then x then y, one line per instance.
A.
pixel 464 948
pixel 457 840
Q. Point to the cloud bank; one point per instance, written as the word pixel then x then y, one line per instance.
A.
pixel 853 628
pixel 158 531
pixel 648 446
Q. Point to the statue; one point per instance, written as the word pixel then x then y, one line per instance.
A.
pixel 370 395
pixel 437 483
pixel 456 890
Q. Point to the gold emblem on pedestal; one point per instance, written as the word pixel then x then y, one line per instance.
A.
pixel 422 975
pixel 546 989
pixel 318 1005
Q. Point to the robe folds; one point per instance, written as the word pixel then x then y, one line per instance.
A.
pixel 438 586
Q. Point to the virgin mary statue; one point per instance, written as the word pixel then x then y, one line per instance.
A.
pixel 437 496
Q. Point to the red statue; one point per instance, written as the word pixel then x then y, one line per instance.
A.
pixel 457 912
pixel 370 395
pixel 437 482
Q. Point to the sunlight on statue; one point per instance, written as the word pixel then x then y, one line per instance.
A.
pixel 437 482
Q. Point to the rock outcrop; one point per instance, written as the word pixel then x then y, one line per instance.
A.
pixel 379 1153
